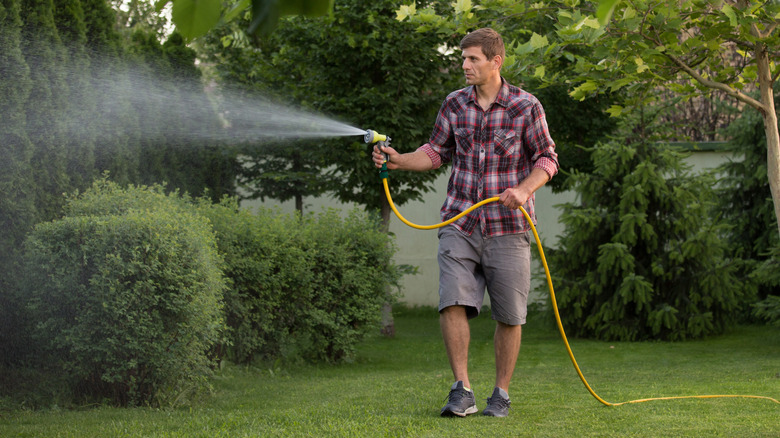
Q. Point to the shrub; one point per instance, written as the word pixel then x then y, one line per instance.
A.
pixel 640 257
pixel 350 260
pixel 127 304
pixel 269 279
pixel 306 288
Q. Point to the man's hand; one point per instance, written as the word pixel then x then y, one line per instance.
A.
pixel 379 157
pixel 514 197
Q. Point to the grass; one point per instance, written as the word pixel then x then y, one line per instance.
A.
pixel 395 387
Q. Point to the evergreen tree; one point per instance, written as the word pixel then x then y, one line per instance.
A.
pixel 177 119
pixel 208 163
pixel 81 101
pixel 17 209
pixel 114 148
pixel 46 105
pixel 641 257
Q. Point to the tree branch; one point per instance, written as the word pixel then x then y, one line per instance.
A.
pixel 742 97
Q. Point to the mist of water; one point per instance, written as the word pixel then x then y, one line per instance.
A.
pixel 227 115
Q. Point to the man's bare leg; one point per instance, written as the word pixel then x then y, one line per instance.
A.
pixel 455 331
pixel 507 345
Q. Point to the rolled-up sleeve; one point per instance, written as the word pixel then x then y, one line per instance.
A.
pixel 432 154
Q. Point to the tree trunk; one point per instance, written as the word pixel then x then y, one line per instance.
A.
pixel 388 323
pixel 770 127
pixel 299 203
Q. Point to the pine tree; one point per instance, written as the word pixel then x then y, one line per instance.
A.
pixel 115 150
pixel 81 100
pixel 46 105
pixel 641 256
pixel 17 208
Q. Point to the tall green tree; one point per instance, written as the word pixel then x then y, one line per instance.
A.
pixel 81 100
pixel 17 207
pixel 362 66
pixel 176 119
pixel 114 151
pixel 44 52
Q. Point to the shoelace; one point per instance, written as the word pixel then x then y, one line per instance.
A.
pixel 500 401
pixel 456 395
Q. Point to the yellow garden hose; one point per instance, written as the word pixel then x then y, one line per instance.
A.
pixel 552 298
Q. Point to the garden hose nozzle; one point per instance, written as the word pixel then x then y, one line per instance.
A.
pixel 372 137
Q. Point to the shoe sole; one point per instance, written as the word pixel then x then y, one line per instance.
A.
pixel 449 413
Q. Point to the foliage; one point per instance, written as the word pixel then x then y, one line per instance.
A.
pixel 306 288
pixel 352 271
pixel 358 64
pixel 127 300
pixel 640 258
pixel 194 18
pixel 768 274
pixel 17 209
pixel 70 111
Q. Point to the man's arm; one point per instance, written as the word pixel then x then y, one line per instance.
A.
pixel 416 161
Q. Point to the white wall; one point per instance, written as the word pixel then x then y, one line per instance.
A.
pixel 417 247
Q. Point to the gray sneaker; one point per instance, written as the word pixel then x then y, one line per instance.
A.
pixel 497 404
pixel 460 402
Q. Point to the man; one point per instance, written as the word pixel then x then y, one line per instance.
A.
pixel 496 137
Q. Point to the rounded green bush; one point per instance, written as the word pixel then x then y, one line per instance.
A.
pixel 129 304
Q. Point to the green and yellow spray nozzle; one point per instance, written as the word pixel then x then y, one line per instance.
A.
pixel 372 137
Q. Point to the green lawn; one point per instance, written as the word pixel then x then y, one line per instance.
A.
pixel 395 387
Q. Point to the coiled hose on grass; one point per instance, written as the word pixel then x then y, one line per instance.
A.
pixel 383 175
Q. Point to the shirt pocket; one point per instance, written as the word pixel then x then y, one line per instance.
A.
pixel 506 142
pixel 464 138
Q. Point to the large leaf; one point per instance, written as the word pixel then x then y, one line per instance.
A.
pixel 193 18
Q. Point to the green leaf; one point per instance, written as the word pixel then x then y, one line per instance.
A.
pixel 584 89
pixel 729 12
pixel 405 11
pixel 462 7
pixel 537 41
pixel 605 10
pixel 615 111
pixel 193 18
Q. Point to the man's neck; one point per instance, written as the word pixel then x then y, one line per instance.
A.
pixel 486 93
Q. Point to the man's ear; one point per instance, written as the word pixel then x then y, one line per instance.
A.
pixel 498 62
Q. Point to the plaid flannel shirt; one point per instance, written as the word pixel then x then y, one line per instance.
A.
pixel 490 151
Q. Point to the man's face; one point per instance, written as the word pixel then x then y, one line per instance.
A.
pixel 477 68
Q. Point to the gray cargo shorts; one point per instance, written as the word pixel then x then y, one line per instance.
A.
pixel 468 264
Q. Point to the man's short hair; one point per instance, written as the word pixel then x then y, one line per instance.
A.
pixel 486 38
